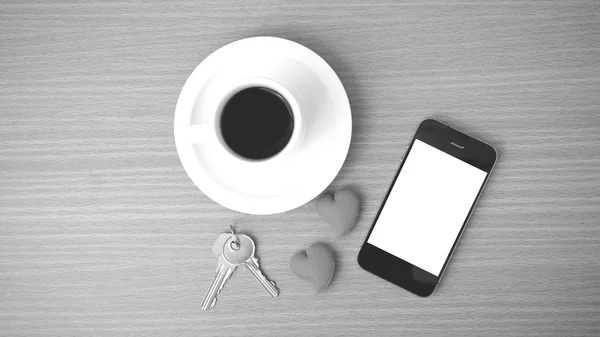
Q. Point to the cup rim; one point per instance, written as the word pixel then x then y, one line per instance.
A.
pixel 268 83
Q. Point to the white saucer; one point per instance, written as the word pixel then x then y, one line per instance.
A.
pixel 274 187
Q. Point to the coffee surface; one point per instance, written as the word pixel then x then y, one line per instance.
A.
pixel 256 123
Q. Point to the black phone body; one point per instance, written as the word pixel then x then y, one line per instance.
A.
pixel 427 207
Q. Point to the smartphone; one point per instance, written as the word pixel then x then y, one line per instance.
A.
pixel 427 207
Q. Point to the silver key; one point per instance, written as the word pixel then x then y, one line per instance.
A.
pixel 224 271
pixel 219 242
pixel 244 256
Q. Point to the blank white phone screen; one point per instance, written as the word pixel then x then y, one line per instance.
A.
pixel 427 207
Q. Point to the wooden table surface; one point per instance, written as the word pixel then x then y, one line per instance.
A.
pixel 103 234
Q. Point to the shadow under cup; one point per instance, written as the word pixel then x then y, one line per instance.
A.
pixel 256 123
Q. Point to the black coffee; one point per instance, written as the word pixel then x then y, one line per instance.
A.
pixel 257 123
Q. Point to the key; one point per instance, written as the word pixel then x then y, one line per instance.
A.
pixel 219 242
pixel 244 256
pixel 224 271
pixel 252 266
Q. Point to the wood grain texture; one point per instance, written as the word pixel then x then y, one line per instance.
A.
pixel 102 233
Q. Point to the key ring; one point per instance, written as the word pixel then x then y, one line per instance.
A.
pixel 235 242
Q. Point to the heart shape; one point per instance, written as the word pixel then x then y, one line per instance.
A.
pixel 340 209
pixel 316 265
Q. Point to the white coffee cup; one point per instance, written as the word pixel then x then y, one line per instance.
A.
pixel 209 132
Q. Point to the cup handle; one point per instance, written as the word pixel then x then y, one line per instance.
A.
pixel 194 134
